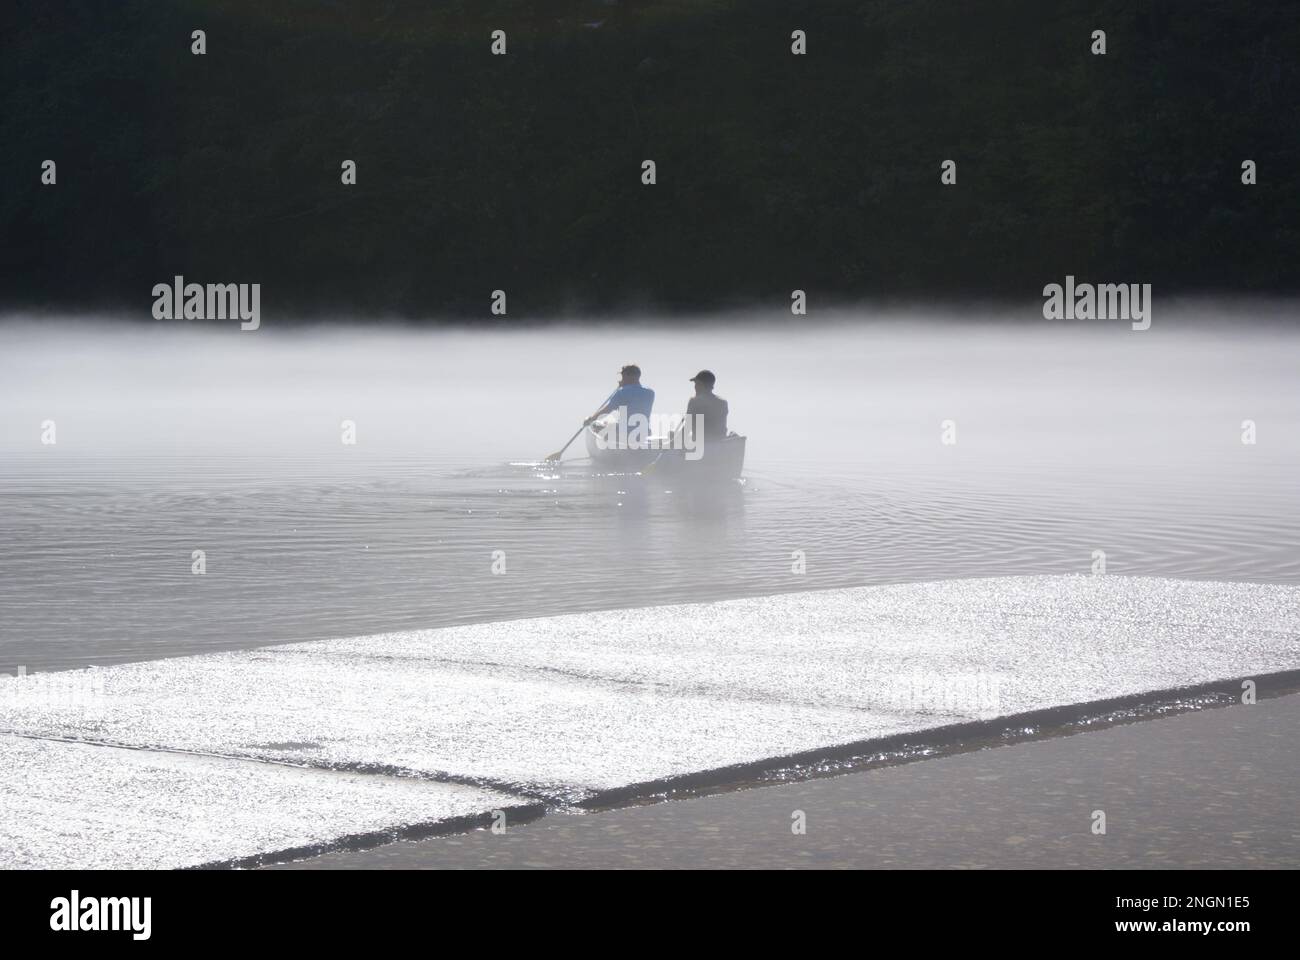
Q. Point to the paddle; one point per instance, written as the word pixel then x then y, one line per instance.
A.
pixel 556 456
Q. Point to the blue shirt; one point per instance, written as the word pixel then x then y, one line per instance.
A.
pixel 636 398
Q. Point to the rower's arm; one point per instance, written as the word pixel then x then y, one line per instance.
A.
pixel 612 403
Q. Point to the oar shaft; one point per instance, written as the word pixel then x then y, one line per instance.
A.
pixel 556 456
pixel 571 439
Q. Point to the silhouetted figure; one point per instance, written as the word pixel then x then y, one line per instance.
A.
pixel 708 405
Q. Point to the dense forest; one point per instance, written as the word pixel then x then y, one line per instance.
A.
pixel 524 171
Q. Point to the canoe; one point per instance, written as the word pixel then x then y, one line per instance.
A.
pixel 720 461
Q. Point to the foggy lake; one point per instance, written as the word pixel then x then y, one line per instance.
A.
pixel 1071 438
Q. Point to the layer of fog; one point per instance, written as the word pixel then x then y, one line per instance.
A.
pixel 874 386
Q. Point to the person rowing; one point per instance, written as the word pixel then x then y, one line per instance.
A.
pixel 630 398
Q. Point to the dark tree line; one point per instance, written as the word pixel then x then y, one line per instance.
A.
pixel 523 172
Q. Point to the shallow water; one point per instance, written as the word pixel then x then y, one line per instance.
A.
pixel 1070 439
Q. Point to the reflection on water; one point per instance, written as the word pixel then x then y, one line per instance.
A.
pixel 96 563
pixel 1070 441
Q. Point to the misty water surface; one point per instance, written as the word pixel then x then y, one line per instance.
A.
pixel 1071 438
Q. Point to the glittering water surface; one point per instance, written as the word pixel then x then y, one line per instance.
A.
pixel 571 708
pixel 1069 440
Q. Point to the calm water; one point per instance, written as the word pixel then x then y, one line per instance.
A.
pixel 1070 439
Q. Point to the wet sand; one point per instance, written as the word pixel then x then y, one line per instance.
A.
pixel 1209 789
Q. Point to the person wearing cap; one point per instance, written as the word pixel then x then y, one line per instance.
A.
pixel 630 397
pixel 707 405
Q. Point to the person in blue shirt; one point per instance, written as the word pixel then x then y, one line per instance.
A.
pixel 630 397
